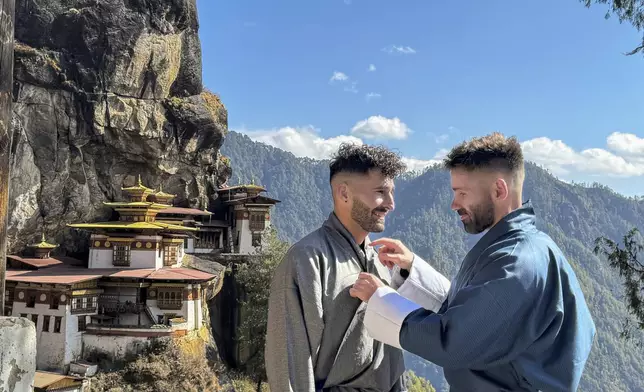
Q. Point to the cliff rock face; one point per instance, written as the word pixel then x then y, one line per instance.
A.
pixel 106 91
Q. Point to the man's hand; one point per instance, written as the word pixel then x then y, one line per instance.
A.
pixel 365 286
pixel 393 252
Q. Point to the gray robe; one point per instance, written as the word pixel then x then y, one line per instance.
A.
pixel 316 339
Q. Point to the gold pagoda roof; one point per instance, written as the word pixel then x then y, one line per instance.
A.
pixel 247 186
pixel 139 187
pixel 43 244
pixel 163 194
pixel 132 226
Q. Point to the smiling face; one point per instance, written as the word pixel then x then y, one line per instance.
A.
pixel 372 199
pixel 474 199
pixel 366 199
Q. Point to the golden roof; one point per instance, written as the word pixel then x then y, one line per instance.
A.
pixel 43 244
pixel 139 187
pixel 131 226
pixel 163 194
pixel 248 186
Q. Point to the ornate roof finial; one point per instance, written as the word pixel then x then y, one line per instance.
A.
pixel 43 243
pixel 252 179
pixel 140 183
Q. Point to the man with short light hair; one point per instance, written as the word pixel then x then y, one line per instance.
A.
pixel 514 318
pixel 316 339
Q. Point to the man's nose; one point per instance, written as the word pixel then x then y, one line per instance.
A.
pixel 389 203
pixel 454 206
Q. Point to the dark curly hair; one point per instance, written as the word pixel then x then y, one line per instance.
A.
pixel 493 151
pixel 354 158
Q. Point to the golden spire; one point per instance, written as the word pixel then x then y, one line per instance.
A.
pixel 43 244
pixel 138 192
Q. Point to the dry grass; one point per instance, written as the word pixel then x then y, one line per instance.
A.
pixel 170 366
pixel 213 104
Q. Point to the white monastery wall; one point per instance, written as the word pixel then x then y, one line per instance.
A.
pixel 50 345
pixel 116 346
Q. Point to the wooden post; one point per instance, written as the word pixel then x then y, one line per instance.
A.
pixel 7 15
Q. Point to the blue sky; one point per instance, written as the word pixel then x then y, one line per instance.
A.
pixel 296 74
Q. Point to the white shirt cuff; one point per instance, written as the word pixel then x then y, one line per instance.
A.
pixel 386 311
pixel 425 286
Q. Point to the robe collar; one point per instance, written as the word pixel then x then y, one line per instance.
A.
pixel 368 257
pixel 519 219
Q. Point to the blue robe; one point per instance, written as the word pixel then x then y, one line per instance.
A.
pixel 514 319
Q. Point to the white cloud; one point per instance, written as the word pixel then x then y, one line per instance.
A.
pixel 351 87
pixel 307 142
pixel 621 158
pixel 626 160
pixel 417 165
pixel 393 49
pixel 338 76
pixel 626 143
pixel 371 96
pixel 301 141
pixel 379 127
pixel 441 138
pixel 372 68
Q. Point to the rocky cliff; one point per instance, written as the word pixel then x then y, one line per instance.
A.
pixel 105 91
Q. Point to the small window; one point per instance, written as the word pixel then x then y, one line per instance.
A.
pixel 54 301
pixel 82 323
pixel 121 255
pixel 257 239
pixel 257 221
pixel 31 301
pixel 45 323
pixel 169 255
pixel 57 323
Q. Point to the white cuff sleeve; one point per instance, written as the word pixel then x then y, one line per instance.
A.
pixel 425 286
pixel 386 311
pixel 396 278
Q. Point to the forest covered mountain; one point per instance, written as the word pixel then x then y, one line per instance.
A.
pixel 573 215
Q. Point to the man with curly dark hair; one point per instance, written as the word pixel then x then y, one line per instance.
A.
pixel 514 317
pixel 316 339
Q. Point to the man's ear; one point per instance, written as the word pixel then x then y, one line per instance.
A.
pixel 501 189
pixel 344 192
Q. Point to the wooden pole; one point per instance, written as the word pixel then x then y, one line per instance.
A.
pixel 7 15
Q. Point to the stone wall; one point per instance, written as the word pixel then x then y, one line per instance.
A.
pixel 18 359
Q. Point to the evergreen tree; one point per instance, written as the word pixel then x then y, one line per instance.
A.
pixel 255 279
pixel 628 261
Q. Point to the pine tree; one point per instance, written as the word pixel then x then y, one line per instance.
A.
pixel 629 263
pixel 255 279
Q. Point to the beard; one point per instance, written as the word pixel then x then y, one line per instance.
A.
pixel 479 218
pixel 365 217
